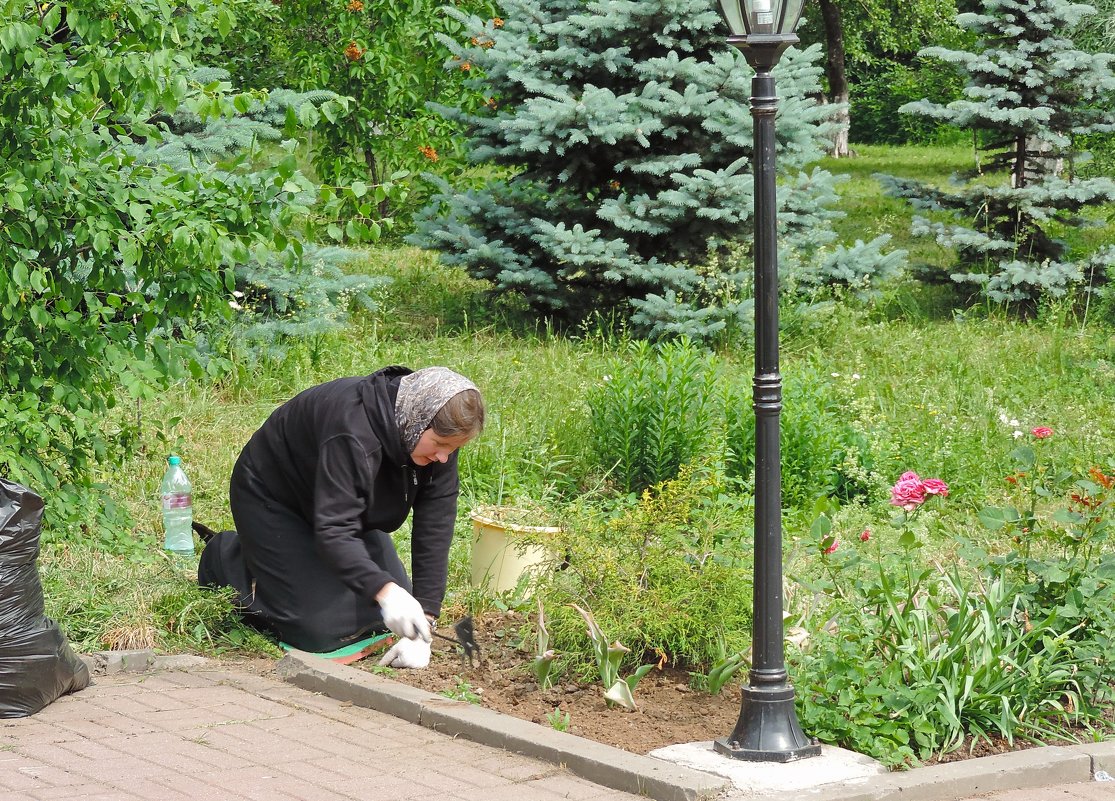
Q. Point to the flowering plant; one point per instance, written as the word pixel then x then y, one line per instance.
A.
pixel 1056 524
pixel 911 491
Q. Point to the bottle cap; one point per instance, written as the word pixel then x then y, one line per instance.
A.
pixel 174 460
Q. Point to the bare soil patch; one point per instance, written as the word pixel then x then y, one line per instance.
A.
pixel 668 712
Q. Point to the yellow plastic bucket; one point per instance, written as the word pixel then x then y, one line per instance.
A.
pixel 500 556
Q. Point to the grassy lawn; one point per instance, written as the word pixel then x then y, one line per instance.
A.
pixel 951 396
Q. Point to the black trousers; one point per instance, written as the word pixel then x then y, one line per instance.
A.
pixel 271 560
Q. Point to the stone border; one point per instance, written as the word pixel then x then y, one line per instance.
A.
pixel 101 663
pixel 633 773
pixel 596 762
pixel 1018 770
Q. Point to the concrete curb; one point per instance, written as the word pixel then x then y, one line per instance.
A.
pixel 602 764
pixel 620 770
pixel 633 773
pixel 1035 767
pixel 102 663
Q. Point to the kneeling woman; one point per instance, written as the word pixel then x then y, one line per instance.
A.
pixel 316 494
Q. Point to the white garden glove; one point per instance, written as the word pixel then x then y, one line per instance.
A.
pixel 403 615
pixel 407 654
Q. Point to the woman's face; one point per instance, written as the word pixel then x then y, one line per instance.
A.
pixel 433 447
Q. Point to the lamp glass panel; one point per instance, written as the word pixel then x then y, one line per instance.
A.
pixel 788 15
pixel 736 16
pixel 761 16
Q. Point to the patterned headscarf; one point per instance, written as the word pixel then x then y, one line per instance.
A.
pixel 421 396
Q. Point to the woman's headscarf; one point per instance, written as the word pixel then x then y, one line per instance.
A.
pixel 421 396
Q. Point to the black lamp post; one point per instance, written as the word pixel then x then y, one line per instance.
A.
pixel 767 729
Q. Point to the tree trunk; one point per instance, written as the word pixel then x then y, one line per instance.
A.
pixel 837 77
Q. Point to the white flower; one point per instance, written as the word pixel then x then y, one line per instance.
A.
pixel 237 294
pixel 607 378
pixel 234 305
pixel 835 375
pixel 855 376
pixel 1018 434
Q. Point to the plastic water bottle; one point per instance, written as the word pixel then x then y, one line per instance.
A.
pixel 178 509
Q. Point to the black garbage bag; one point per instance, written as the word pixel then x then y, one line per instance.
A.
pixel 36 663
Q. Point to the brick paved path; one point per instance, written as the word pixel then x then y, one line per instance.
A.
pixel 226 735
pixel 1092 791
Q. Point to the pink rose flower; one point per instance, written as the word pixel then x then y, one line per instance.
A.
pixel 1041 432
pixel 832 548
pixel 865 536
pixel 909 492
pixel 934 486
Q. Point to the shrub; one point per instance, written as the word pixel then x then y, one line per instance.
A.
pixel 906 662
pixel 102 252
pixel 386 57
pixel 878 94
pixel 667 575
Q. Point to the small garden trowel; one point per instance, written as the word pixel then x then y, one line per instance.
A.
pixel 466 638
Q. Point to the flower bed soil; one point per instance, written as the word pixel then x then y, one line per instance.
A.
pixel 669 710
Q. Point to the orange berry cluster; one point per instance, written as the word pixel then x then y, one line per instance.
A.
pixel 355 6
pixel 429 152
pixel 353 52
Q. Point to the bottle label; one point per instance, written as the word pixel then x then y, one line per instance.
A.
pixel 177 500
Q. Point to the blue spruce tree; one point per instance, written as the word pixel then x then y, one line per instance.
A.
pixel 622 137
pixel 1031 96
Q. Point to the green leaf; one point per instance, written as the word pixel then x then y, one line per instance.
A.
pixel 996 517
pixel 1024 457
pixel 19 277
pixel 1068 516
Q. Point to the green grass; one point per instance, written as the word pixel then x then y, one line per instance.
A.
pixel 870 213
pixel 923 382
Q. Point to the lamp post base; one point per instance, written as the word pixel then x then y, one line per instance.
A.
pixel 767 729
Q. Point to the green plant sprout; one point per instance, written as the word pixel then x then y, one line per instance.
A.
pixel 544 660
pixel 608 658
pixel 558 720
pixel 722 672
pixel 462 692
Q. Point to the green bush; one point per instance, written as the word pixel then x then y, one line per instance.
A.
pixel 876 98
pixel 668 575
pixel 108 259
pixel 386 57
pixel 1009 639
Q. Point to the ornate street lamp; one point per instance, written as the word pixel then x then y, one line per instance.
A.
pixel 767 729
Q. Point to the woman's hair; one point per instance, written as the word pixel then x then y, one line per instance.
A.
pixel 461 416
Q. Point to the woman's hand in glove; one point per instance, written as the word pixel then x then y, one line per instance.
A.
pixel 403 615
pixel 407 654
